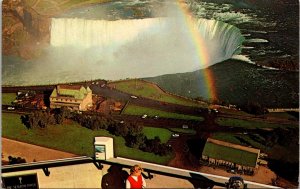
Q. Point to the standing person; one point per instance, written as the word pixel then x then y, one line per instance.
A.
pixel 115 178
pixel 135 180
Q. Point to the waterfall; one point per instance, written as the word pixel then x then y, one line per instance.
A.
pixel 89 33
pixel 82 49
pixel 228 37
pixel 223 40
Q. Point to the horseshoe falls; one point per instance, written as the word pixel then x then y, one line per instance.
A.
pixel 97 33
pixel 85 49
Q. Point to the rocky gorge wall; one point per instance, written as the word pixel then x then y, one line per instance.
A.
pixel 23 30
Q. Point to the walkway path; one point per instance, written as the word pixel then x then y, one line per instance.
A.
pixel 30 152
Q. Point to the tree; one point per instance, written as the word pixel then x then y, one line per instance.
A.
pixel 121 129
pixel 135 129
pixel 254 108
pixel 42 119
pixel 131 141
pixel 140 140
pixel 58 118
pixel 38 119
pixel 50 119
pixel 33 121
pixel 15 160
pixel 65 112
pixel 25 121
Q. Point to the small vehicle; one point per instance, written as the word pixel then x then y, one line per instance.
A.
pixel 10 108
pixel 175 135
pixel 156 117
pixel 185 126
pixel 215 111
pixel 235 182
pixel 134 97
pixel 144 116
pixel 122 122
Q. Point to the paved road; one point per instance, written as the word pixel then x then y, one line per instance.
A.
pixel 207 125
pixel 118 95
pixel 140 101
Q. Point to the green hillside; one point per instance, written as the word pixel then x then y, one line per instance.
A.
pixel 237 82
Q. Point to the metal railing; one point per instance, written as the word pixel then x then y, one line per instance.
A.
pixel 199 180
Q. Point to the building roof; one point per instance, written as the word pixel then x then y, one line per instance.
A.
pixel 73 91
pixel 230 153
pixel 71 87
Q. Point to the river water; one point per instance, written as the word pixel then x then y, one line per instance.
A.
pixel 130 39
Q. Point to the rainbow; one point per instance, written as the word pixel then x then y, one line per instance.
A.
pixel 202 53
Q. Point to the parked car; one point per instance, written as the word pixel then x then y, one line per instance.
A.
pixel 175 135
pixel 235 182
pixel 144 116
pixel 134 97
pixel 156 117
pixel 185 126
pixel 10 108
pixel 215 110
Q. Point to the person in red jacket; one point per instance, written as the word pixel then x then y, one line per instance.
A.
pixel 135 180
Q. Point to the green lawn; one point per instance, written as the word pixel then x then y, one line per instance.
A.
pixel 233 111
pixel 227 137
pixel 8 98
pixel 186 131
pixel 250 124
pixel 275 152
pixel 283 115
pixel 163 134
pixel 230 154
pixel 232 138
pixel 147 90
pixel 71 138
pixel 138 110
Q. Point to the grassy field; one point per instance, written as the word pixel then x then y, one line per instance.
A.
pixel 275 152
pixel 138 110
pixel 235 112
pixel 227 137
pixel 163 134
pixel 283 115
pixel 147 90
pixel 230 154
pixel 71 138
pixel 250 124
pixel 185 131
pixel 234 138
pixel 8 98
pixel 248 83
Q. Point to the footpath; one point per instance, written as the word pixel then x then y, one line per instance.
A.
pixel 30 152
